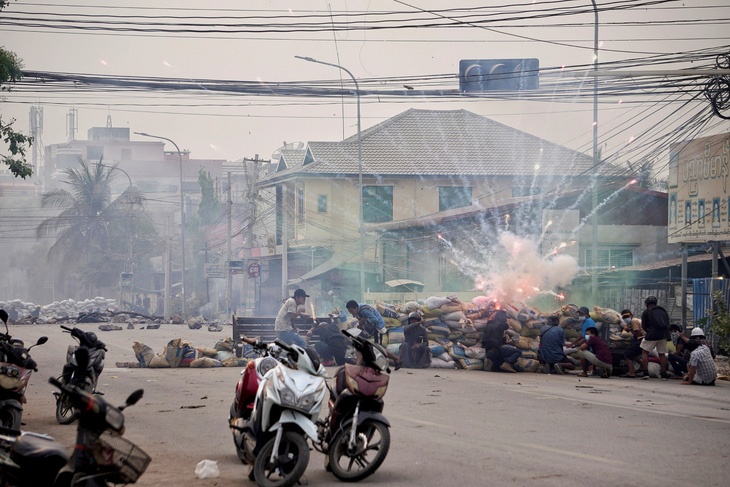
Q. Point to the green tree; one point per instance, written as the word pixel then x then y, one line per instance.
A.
pixel 88 214
pixel 16 142
pixel 720 322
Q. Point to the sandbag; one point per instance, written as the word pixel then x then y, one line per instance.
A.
pixel 530 332
pixel 159 362
pixel 453 325
pixel 439 328
pixel 189 354
pixel 513 309
pixel 570 310
pixel 437 363
pixel 526 343
pixel 607 315
pixel 566 321
pixel 571 334
pixel 511 337
pixel 225 344
pixel 467 342
pixel 431 313
pixel 457 351
pixel 434 302
pixel 529 355
pixel 453 316
pixel 445 357
pixel 395 335
pixel 436 348
pixel 204 363
pixel 455 334
pixel 470 364
pixel 482 300
pixel 392 322
pixel 527 365
pixel 386 310
pixel 514 324
pixel 384 340
pixel 174 351
pixel 394 348
pixel 235 362
pixel 475 352
pixel 208 352
pixel 528 313
pixel 144 353
pixel 223 355
pixel 410 307
pixel 451 308
pixel 480 323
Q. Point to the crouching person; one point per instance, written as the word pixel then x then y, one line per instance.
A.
pixel 552 341
pixel 600 356
pixel 702 370
pixel 414 352
pixel 332 344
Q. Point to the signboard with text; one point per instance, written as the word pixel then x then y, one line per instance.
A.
pixel 214 271
pixel 699 200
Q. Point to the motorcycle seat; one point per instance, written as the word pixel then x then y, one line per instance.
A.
pixel 38 452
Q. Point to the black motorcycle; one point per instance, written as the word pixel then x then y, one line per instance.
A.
pixel 85 377
pixel 101 455
pixel 16 367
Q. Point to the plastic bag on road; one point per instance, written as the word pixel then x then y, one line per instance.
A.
pixel 207 469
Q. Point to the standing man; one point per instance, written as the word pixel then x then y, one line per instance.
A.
pixel 370 321
pixel 292 309
pixel 655 321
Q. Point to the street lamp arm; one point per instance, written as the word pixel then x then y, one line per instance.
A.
pixel 312 60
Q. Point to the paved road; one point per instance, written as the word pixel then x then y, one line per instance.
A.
pixel 450 427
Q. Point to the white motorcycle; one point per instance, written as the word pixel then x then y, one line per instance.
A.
pixel 288 402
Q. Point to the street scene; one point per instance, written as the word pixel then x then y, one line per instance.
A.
pixel 364 241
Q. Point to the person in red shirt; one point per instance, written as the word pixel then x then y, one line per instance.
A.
pixel 600 356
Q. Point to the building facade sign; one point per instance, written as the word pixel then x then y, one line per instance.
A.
pixel 699 201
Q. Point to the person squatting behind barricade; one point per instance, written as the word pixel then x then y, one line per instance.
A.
pixel 292 309
pixel 701 370
pixel 680 359
pixel 370 321
pixel 552 351
pixel 331 344
pixel 632 353
pixel 414 352
pixel 502 356
pixel 600 357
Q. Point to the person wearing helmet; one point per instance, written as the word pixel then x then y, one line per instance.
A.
pixel 702 370
pixel 414 352
pixel 680 359
pixel 655 321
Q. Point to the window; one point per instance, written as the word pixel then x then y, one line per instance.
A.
pixel 453 197
pixel 377 204
pixel 612 258
pixel 94 152
pixel 322 203
pixel 525 191
pixel 300 205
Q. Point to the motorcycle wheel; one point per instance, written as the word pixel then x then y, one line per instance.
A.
pixel 65 412
pixel 292 461
pixel 371 448
pixel 10 418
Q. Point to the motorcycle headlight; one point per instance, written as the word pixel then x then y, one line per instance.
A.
pixel 114 418
pixel 266 365
pixel 381 361
pixel 288 398
pixel 306 402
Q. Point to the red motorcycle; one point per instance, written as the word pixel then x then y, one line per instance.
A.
pixel 247 387
pixel 356 436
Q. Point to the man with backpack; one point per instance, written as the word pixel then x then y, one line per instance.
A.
pixel 655 321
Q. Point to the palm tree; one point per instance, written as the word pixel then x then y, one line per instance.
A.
pixel 87 211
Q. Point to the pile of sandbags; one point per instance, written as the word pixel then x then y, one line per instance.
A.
pixel 69 307
pixel 20 307
pixel 181 353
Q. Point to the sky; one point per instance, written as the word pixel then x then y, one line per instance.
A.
pixel 234 126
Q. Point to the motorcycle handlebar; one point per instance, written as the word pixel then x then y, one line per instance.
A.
pixel 67 328
pixel 282 345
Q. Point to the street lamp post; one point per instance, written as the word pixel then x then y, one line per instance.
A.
pixel 359 170
pixel 594 192
pixel 182 211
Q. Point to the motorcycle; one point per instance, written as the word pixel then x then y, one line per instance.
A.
pixel 16 367
pixel 248 385
pixel 273 441
pixel 101 455
pixel 85 377
pixel 355 437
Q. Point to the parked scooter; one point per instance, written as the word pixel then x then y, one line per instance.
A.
pixel 16 367
pixel 356 436
pixel 101 455
pixel 288 401
pixel 85 377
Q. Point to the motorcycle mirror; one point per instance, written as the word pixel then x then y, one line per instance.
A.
pixel 135 397
pixel 4 316
pixel 41 341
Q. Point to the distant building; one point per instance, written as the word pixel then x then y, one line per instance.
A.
pixel 420 169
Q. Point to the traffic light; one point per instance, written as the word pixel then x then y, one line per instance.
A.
pixel 498 74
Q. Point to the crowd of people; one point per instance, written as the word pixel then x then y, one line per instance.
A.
pixel 690 359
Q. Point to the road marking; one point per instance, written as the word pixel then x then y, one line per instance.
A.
pixel 631 408
pixel 417 421
pixel 583 456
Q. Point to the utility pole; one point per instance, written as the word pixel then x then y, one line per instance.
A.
pixel 229 281
pixel 284 242
pixel 167 262
pixel 594 191
pixel 252 177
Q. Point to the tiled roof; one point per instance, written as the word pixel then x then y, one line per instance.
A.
pixel 448 143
